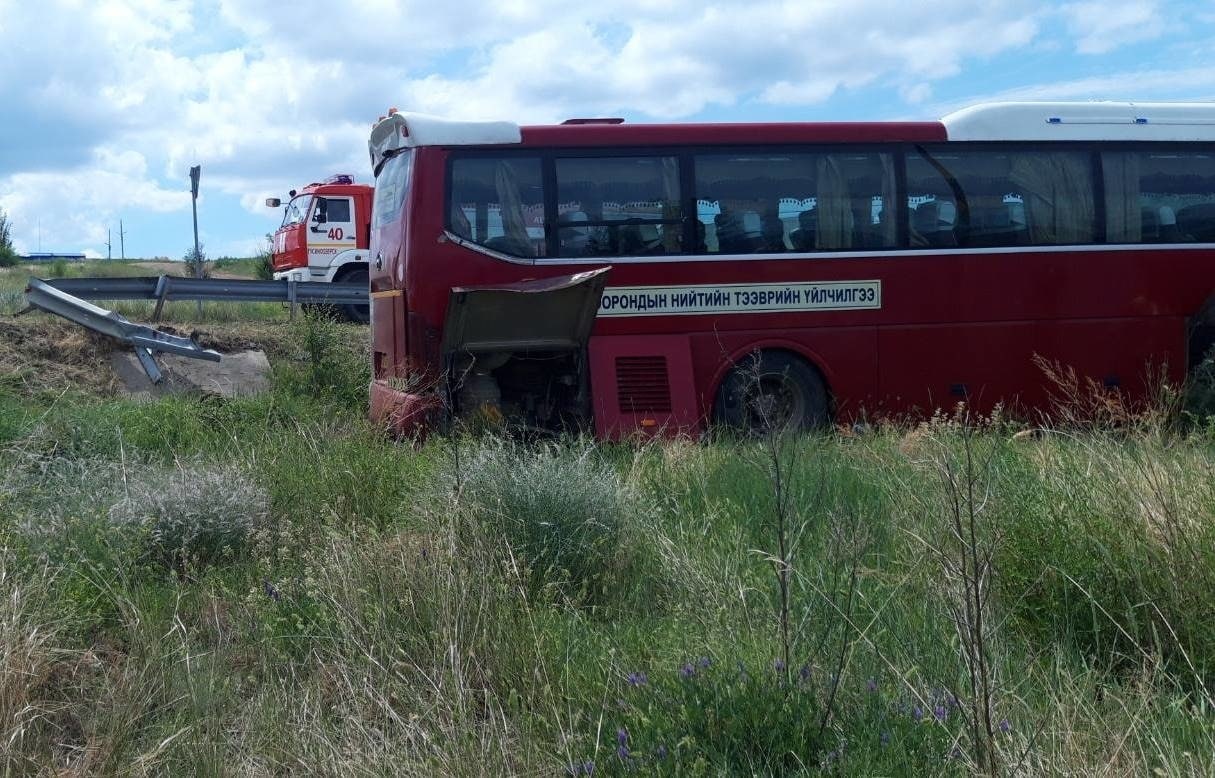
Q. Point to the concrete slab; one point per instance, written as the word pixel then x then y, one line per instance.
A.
pixel 237 375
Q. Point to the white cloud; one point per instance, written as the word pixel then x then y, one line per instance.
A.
pixel 108 102
pixel 1100 27
pixel 69 209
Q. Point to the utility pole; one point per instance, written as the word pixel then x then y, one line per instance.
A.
pixel 122 241
pixel 195 172
pixel 109 250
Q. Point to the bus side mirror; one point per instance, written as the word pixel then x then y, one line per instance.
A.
pixel 273 202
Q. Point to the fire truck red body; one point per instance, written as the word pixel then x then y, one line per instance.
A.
pixel 325 235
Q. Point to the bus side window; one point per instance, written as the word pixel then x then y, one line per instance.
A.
pixel 1159 196
pixel 505 196
pixel 619 206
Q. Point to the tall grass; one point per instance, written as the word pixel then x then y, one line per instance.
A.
pixel 477 605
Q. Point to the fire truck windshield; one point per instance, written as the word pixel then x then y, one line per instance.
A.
pixel 297 210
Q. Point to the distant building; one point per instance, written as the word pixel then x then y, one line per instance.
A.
pixel 51 256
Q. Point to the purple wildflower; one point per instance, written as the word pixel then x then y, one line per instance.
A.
pixel 623 753
pixel 955 753
pixel 940 712
pixel 588 767
pixel 805 673
pixel 636 679
pixel 917 713
pixel 660 752
pixel 1005 726
pixel 704 661
pixel 884 739
pixel 687 670
pixel 622 736
pixel 779 665
pixel 871 685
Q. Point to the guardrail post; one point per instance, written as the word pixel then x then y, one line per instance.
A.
pixel 291 296
pixel 162 293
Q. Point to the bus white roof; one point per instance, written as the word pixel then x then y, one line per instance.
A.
pixel 409 130
pixel 1083 121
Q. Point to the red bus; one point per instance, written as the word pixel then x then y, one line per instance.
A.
pixel 622 277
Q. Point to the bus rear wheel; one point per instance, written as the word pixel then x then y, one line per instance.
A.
pixel 359 314
pixel 771 391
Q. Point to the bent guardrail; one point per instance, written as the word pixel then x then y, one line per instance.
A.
pixel 146 340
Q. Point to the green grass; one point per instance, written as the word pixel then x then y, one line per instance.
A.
pixel 474 605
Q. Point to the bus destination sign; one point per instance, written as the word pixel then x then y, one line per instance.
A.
pixel 740 298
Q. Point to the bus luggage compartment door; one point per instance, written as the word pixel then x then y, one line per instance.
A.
pixel 518 350
pixel 643 384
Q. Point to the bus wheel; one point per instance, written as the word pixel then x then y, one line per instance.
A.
pixel 771 391
pixel 359 314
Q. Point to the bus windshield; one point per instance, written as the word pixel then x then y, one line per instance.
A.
pixel 391 185
pixel 297 210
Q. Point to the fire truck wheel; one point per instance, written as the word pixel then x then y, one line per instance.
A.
pixel 771 390
pixel 359 314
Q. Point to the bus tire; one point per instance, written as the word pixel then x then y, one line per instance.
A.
pixel 359 314
pixel 771 391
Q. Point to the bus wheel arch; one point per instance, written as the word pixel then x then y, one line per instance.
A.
pixel 772 386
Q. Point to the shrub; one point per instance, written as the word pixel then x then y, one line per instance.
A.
pixel 8 255
pixel 196 263
pixel 582 532
pixel 331 368
pixel 194 516
pixel 1200 390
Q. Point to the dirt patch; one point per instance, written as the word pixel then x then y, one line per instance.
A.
pixel 40 353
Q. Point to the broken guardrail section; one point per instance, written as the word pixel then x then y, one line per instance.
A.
pixel 146 340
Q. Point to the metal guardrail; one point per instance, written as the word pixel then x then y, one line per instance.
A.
pixel 168 288
pixel 146 340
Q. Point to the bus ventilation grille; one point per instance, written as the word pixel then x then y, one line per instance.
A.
pixel 641 385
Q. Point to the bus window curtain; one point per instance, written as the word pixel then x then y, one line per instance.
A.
pixel 671 233
pixel 513 224
pixel 1123 216
pixel 834 206
pixel 887 223
pixel 1058 192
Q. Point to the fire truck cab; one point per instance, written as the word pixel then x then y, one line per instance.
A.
pixel 324 235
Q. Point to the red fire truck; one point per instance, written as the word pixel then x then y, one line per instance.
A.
pixel 624 277
pixel 324 235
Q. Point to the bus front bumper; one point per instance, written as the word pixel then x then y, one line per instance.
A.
pixel 401 413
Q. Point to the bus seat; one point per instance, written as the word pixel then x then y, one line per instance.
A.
pixel 1168 225
pixel 927 221
pixel 803 237
pixel 1197 222
pixel 574 239
pixel 772 234
pixel 731 238
pixel 1150 230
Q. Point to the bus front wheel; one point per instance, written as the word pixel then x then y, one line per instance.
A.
pixel 771 391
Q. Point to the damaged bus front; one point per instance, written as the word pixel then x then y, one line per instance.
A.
pixel 501 349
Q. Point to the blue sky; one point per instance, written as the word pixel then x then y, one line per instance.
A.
pixel 107 103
